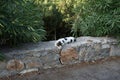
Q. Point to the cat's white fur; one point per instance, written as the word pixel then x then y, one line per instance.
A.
pixel 62 41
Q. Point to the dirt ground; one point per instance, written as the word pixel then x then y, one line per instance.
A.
pixel 104 69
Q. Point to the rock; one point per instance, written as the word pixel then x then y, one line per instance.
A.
pixel 52 64
pixel 15 65
pixel 32 62
pixel 68 55
pixel 93 52
pixel 2 65
pixel 105 46
pixel 115 50
pixel 33 65
pixel 51 59
pixel 5 73
pixel 28 71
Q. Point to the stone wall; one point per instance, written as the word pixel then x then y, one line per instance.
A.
pixel 43 55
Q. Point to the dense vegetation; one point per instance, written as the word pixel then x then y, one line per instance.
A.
pixel 20 21
pixel 35 20
pixel 98 18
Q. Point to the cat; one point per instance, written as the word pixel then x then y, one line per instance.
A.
pixel 62 41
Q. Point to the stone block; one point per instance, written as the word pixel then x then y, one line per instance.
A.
pixel 50 60
pixel 3 65
pixel 33 65
pixel 115 50
pixel 28 71
pixel 93 52
pixel 15 65
pixel 68 56
pixel 32 62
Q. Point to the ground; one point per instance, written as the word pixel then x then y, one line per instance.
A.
pixel 101 70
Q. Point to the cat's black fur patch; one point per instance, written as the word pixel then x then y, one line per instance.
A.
pixel 63 41
pixel 59 43
pixel 68 42
pixel 71 41
pixel 75 40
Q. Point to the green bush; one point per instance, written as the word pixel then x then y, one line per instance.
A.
pixel 97 18
pixel 20 21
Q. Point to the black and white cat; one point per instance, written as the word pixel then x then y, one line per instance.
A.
pixel 62 41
